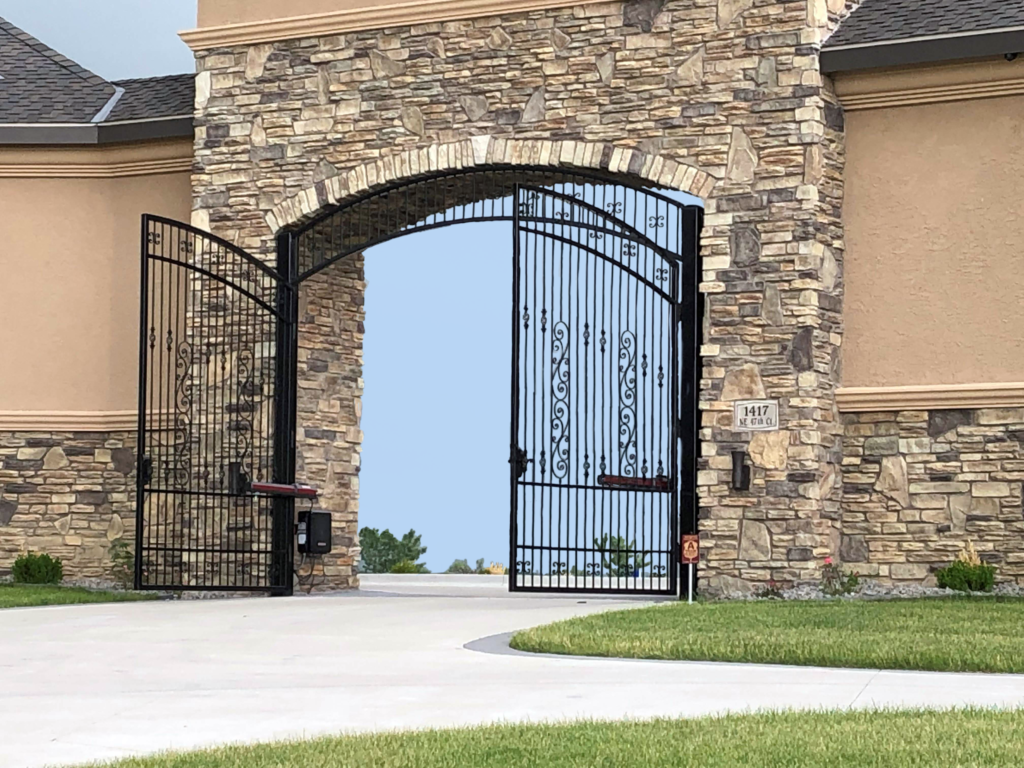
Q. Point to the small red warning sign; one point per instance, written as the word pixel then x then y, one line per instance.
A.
pixel 691 549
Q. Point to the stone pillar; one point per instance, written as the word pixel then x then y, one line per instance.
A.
pixel 773 255
pixel 330 388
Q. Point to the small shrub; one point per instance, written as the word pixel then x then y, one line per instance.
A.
pixel 967 578
pixel 496 569
pixel 408 566
pixel 122 563
pixel 835 581
pixel 967 573
pixel 460 566
pixel 480 569
pixel 37 569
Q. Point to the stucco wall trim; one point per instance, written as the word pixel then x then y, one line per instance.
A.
pixel 68 421
pixel 920 96
pixel 932 84
pixel 151 158
pixel 931 397
pixel 356 19
pixel 113 170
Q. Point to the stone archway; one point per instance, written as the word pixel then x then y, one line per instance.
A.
pixel 331 305
pixel 481 151
pixel 728 97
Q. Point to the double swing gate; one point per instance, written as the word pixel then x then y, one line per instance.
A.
pixel 604 379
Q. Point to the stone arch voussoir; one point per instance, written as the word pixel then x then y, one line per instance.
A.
pixel 480 151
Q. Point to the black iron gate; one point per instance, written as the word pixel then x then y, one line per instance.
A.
pixel 598 344
pixel 214 326
pixel 605 372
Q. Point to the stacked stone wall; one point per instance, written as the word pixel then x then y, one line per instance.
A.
pixel 919 485
pixel 330 387
pixel 727 92
pixel 68 495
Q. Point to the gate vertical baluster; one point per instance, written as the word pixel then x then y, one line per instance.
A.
pixel 514 425
pixel 678 316
pixel 141 437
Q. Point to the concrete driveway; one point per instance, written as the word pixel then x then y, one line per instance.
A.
pixel 95 682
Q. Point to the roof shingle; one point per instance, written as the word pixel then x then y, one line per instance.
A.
pixel 878 21
pixel 40 86
pixel 155 97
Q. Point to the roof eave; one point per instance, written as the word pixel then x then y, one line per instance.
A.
pixel 922 50
pixel 98 133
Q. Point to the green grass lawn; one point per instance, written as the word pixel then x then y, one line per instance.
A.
pixel 950 634
pixel 29 595
pixel 862 739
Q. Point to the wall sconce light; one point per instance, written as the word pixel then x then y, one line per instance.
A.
pixel 740 471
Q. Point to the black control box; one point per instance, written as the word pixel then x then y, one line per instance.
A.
pixel 314 534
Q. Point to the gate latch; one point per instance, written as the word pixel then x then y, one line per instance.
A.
pixel 519 461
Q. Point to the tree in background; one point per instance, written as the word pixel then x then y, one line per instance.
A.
pixel 460 566
pixel 383 552
pixel 619 557
pixel 463 567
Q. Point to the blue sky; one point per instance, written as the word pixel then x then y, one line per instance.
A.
pixel 436 403
pixel 116 39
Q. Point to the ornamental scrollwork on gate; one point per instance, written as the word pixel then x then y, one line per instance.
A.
pixel 586 354
pixel 529 206
pixel 178 475
pixel 560 400
pixel 627 404
pixel 245 408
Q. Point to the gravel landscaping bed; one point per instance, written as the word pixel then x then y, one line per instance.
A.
pixel 873 590
pixel 878 591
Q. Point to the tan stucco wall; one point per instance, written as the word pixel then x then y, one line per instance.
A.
pixel 934 220
pixel 228 22
pixel 70 286
pixel 217 12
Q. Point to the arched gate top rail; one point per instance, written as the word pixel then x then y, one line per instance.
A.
pixel 484 194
